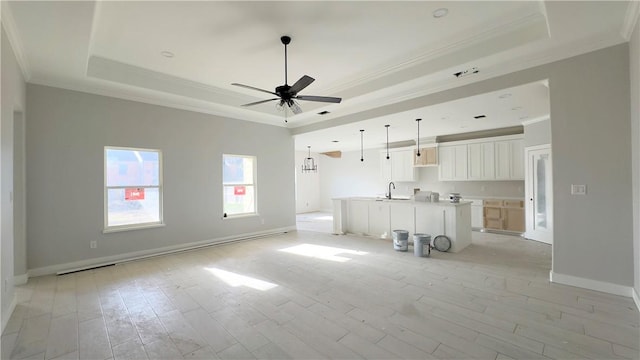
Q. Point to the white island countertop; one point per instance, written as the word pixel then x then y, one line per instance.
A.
pixel 404 201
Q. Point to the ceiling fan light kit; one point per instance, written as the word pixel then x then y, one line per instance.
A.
pixel 288 94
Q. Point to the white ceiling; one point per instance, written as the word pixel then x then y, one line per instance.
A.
pixel 372 54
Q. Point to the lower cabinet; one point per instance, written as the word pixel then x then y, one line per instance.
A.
pixel 402 217
pixel 379 219
pixel 504 215
pixel 359 216
pixel 476 214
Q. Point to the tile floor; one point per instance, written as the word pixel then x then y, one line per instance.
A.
pixel 311 295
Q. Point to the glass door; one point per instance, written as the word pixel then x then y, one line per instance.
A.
pixel 538 183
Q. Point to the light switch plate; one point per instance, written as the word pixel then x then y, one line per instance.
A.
pixel 578 189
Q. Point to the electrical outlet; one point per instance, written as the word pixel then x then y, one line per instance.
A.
pixel 578 189
pixel 93 244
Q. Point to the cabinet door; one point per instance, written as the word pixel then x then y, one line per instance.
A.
pixel 476 216
pixel 429 220
pixel 474 157
pixel 379 219
pixel 428 156
pixel 358 216
pixel 517 159
pixel 503 160
pixel 402 166
pixel 514 219
pixel 460 162
pixel 446 158
pixel 488 161
pixel 402 217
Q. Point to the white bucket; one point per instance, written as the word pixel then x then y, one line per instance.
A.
pixel 422 245
pixel 400 240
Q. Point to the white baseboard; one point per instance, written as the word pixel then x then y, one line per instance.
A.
pixel 7 316
pixel 590 284
pixel 137 255
pixel 20 279
pixel 636 298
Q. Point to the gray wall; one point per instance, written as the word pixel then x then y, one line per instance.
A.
pixel 13 102
pixel 590 127
pixel 66 133
pixel 634 50
pixel 537 133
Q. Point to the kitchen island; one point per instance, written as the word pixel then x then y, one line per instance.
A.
pixel 378 217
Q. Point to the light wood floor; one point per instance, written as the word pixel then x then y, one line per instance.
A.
pixel 309 295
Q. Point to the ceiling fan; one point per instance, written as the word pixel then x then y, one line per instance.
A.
pixel 287 94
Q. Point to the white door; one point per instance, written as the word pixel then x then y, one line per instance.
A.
pixel 539 194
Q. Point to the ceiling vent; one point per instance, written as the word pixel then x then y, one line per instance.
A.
pixel 480 116
pixel 463 73
pixel 323 112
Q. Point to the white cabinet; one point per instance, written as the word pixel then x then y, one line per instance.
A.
pixel 402 217
pixel 379 219
pixel 453 162
pixel 477 220
pixel 500 158
pixel 481 161
pixel 509 159
pixel 358 216
pixel 399 166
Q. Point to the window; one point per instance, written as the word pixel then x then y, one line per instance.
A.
pixel 238 185
pixel 133 188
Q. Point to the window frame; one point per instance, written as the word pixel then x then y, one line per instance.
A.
pixel 106 188
pixel 254 184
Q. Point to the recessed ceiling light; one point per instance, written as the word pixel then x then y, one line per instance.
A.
pixel 167 54
pixel 516 108
pixel 444 118
pixel 442 12
pixel 524 117
pixel 504 96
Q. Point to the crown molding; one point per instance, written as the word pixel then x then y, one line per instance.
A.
pixel 166 100
pixel 450 48
pixel 9 26
pixel 630 19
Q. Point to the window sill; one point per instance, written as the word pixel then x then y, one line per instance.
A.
pixel 240 216
pixel 131 227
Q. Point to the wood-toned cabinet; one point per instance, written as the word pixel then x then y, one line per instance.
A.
pixel 428 157
pixel 504 215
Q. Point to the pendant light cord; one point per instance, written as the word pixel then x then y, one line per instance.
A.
pixel 361 146
pixel 418 142
pixel 387 126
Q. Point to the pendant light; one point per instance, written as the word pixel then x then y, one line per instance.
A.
pixel 361 148
pixel 418 141
pixel 387 126
pixel 309 164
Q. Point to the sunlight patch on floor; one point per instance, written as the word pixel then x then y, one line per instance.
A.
pixel 322 252
pixel 236 280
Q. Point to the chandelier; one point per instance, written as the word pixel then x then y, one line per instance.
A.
pixel 309 164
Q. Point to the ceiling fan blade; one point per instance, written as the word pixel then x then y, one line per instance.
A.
pixel 254 88
pixel 301 84
pixel 260 102
pixel 328 99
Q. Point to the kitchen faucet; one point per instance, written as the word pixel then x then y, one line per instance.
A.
pixel 389 193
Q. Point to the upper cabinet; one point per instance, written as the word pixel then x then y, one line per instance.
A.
pixel 509 159
pixel 399 166
pixel 499 158
pixel 428 157
pixel 453 162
